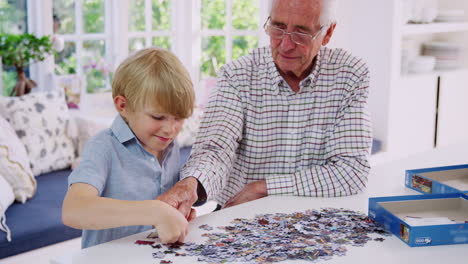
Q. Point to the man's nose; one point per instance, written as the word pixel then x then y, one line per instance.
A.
pixel 287 43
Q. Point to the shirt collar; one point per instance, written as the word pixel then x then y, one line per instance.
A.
pixel 121 130
pixel 277 79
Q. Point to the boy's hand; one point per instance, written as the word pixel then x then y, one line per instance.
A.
pixel 170 223
pixel 182 196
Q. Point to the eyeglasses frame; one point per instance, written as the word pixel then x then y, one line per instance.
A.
pixel 312 37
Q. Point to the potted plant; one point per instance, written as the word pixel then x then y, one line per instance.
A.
pixel 21 50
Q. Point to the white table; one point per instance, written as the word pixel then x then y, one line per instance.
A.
pixel 385 180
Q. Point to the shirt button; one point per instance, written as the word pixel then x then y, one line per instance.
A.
pixel 292 132
pixel 152 159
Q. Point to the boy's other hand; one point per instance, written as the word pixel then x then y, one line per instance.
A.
pixel 182 196
pixel 170 223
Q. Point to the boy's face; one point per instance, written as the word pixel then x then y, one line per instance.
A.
pixel 154 128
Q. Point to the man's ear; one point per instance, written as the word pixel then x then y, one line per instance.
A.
pixel 120 103
pixel 329 34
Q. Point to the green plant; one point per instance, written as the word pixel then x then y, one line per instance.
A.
pixel 21 50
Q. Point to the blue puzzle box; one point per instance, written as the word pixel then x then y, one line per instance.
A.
pixel 423 220
pixel 438 180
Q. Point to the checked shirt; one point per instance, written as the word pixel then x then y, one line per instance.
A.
pixel 315 142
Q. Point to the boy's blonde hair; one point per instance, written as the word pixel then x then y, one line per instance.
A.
pixel 155 77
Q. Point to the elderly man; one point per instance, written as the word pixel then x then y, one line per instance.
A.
pixel 289 119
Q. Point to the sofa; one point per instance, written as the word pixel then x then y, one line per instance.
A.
pixel 38 145
pixel 38 222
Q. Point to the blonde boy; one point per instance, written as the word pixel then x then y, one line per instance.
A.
pixel 124 168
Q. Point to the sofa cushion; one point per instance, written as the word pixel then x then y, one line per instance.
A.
pixel 189 130
pixel 38 222
pixel 7 197
pixel 41 121
pixel 14 163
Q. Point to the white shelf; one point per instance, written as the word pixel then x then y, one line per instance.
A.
pixel 433 73
pixel 437 27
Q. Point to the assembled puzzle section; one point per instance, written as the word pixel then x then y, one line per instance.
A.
pixel 423 220
pixel 438 180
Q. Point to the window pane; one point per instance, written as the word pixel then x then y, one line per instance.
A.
pixel 64 16
pixel 213 14
pixel 136 15
pixel 161 14
pixel 245 14
pixel 13 20
pixel 95 66
pixel 65 61
pixel 162 42
pixel 136 44
pixel 213 55
pixel 13 17
pixel 242 45
pixel 93 16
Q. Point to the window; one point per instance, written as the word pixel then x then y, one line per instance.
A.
pixel 13 20
pixel 99 34
pixel 229 30
pixel 83 25
pixel 149 24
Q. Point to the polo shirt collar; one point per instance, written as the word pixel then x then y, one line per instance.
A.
pixel 121 130
pixel 123 133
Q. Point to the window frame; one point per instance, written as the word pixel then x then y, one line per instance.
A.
pixel 185 28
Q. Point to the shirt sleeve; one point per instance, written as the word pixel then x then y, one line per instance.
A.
pixel 348 149
pixel 218 138
pixel 95 164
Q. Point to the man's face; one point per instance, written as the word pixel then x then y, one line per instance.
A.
pixel 296 16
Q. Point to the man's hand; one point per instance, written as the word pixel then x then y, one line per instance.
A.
pixel 250 192
pixel 182 196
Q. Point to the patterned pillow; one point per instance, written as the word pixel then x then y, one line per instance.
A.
pixel 189 130
pixel 7 197
pixel 14 163
pixel 41 121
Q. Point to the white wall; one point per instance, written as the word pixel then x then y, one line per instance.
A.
pixel 359 41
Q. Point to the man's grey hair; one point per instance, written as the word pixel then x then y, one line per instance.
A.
pixel 327 15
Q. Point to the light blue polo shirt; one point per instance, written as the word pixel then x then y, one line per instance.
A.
pixel 115 162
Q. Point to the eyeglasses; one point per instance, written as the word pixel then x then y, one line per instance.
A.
pixel 302 39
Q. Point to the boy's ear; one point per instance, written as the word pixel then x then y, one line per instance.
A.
pixel 120 103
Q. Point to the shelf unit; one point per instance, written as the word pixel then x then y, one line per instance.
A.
pixel 411 112
pixel 431 28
